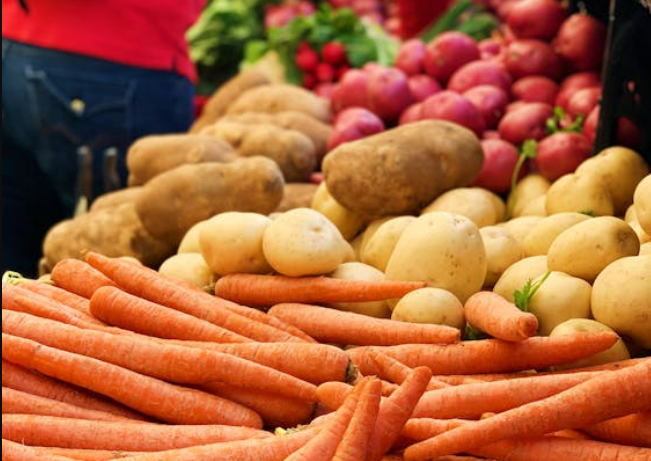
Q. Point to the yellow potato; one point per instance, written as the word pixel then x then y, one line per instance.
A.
pixel 430 305
pixel 356 245
pixel 528 189
pixel 371 229
pixel 630 214
pixel 586 248
pixel 232 242
pixel 515 277
pixel 621 298
pixel 190 268
pixel 520 227
pixel 474 203
pixel 641 235
pixel 579 193
pixel 642 201
pixel 381 244
pixel 535 207
pixel 190 242
pixel 645 249
pixel 442 249
pixel 538 241
pixel 359 271
pixel 502 251
pixel 348 222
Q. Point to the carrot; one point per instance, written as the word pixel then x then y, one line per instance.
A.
pixel 12 451
pixel 276 410
pixel 21 379
pixel 49 431
pixel 79 277
pixel 388 388
pixel 334 326
pixel 355 443
pixel 632 429
pixel 14 401
pixel 58 294
pixel 267 290
pixel 185 365
pixel 570 434
pixel 168 402
pixel 492 314
pixel 620 393
pixel 395 371
pixel 123 310
pixel 530 449
pixel 83 454
pixel 494 355
pixel 276 448
pixel 147 284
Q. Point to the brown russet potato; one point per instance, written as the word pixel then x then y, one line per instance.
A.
pixel 297 195
pixel 117 197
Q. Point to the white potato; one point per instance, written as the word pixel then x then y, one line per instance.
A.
pixel 477 204
pixel 502 251
pixel 515 277
pixel 359 271
pixel 540 238
pixel 430 305
pixel 528 189
pixel 520 227
pixel 645 249
pixel 383 240
pixel 642 202
pixel 535 208
pixel 579 193
pixel 348 222
pixel 190 268
pixel 190 242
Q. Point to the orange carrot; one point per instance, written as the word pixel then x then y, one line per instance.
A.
pixel 494 355
pixel 83 454
pixel 388 388
pixel 334 326
pixel 21 379
pixel 570 434
pixel 123 310
pixel 19 402
pixel 267 290
pixel 12 451
pixel 276 410
pixel 355 443
pixel 185 365
pixel 492 314
pixel 49 431
pixel 529 449
pixel 333 394
pixel 79 277
pixel 395 371
pixel 147 284
pixel 58 294
pixel 632 430
pixel 168 402
pixel 620 393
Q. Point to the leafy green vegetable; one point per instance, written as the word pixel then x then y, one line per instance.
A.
pixel 471 333
pixel 529 149
pixel 522 298
pixel 464 16
pixel 588 213
pixel 553 124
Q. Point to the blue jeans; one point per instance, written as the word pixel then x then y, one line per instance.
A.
pixel 53 103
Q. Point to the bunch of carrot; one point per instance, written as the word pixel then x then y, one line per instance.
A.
pixel 116 349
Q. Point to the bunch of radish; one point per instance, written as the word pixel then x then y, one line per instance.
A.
pixel 281 14
pixel 321 70
pixel 538 80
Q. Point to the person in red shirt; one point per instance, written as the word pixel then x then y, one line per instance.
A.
pixel 82 76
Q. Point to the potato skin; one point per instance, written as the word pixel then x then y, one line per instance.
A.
pixel 517 275
pixel 542 235
pixel 529 188
pixel 579 193
pixel 174 201
pixel 118 197
pixel 479 205
pixel 401 170
pixel 381 242
pixel 502 251
pixel 297 195
pixel 152 155
pixel 642 203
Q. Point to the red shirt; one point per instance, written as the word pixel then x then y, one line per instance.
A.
pixel 142 33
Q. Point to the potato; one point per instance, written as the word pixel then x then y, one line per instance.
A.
pixel 621 170
pixel 115 198
pixel 535 208
pixel 359 271
pixel 348 223
pixel 221 99
pixel 171 203
pixel 559 298
pixel 152 155
pixel 579 193
pixel 474 203
pixel 382 242
pixel 401 170
pixel 190 242
pixel 442 249
pixel 515 277
pixel 297 195
pixel 281 98
pixel 304 242
pixel 232 243
pixel 114 232
pixel 430 305
pixel 520 227
pixel 528 189
pixel 502 251
pixel 586 248
pixel 621 298
pixel 190 268
pixel 541 236
pixel 641 235
pixel 371 229
pixel 356 245
pixel 642 201
pixel 615 353
pixel 630 214
pixel 645 249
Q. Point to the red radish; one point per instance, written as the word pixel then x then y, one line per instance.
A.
pixel 334 53
pixel 411 56
pixel 324 72
pixel 447 52
pixel 515 106
pixel 489 48
pixel 538 19
pixel 324 90
pixel 580 42
pixel 316 177
pixel 278 15
pixel 491 102
pixel 574 83
pixel 341 71
pixel 503 7
pixel 388 93
pixel 561 153
pixel 304 8
pixel 535 88
pixel 527 122
pixel 422 87
pixel 370 67
pixel 451 106
pixel 590 125
pixel 491 134
pixel 306 59
pixel 479 73
pixel 584 101
pixel 350 91
pixel 500 158
pixel 309 81
pixel 411 114
pixel 352 124
pixel 533 57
